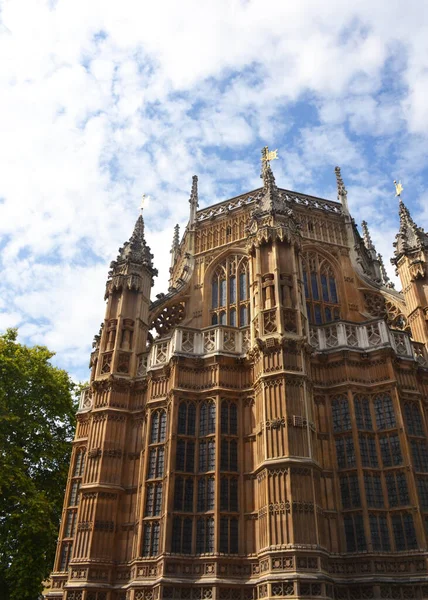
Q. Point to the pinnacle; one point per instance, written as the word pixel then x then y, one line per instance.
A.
pixel 366 236
pixel 135 250
pixel 410 237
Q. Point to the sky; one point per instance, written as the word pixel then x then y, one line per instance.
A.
pixel 101 102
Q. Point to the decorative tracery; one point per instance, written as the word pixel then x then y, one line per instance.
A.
pixel 169 317
pixel 230 293
pixel 322 299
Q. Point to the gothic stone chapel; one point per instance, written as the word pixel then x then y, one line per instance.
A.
pixel 259 431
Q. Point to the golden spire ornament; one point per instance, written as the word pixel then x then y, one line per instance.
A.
pixel 268 155
pixel 398 188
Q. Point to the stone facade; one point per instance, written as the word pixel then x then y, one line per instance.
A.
pixel 271 440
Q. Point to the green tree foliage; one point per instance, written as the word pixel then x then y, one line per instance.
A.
pixel 36 426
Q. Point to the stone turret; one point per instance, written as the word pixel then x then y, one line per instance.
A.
pixel 411 241
pixel 127 293
pixel 411 255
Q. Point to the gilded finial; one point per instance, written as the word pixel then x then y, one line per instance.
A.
pixel 268 155
pixel 398 188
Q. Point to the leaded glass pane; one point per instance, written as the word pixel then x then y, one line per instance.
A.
pixel 222 292
pixel 214 297
pixel 314 286
pixel 324 288
pixel 232 289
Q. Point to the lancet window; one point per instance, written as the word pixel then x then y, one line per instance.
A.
pixel 229 535
pixel 182 535
pixel 354 532
pixel 186 418
pixel 368 450
pixel 322 301
pixel 384 411
pixel 350 491
pixel 379 532
pixel 373 487
pixel 153 499
pixel 151 538
pixel 229 494
pixel 390 450
pixel 205 535
pixel 158 430
pixel 230 292
pixel 420 455
pixel 206 487
pixel 413 419
pixel 396 485
pixel 362 413
pixel 183 494
pixel 404 531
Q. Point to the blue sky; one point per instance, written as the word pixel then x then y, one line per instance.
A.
pixel 101 102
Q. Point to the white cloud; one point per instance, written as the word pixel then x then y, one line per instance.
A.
pixel 103 101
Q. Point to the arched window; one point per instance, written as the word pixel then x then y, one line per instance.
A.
pixel 158 430
pixel 322 300
pixel 229 418
pixel 207 418
pixel 186 418
pixel 230 293
pixel 79 463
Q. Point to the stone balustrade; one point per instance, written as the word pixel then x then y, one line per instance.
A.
pixel 231 341
pixel 193 342
pixel 366 336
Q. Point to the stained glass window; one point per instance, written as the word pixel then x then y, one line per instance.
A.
pixel 420 455
pixel 206 490
pixel 373 487
pixel 350 491
pixel 362 413
pixel 229 455
pixel 354 533
pixel 151 538
pixel 413 419
pixel 368 450
pixel 66 551
pixel 320 289
pixel 185 456
pixel 207 418
pixel 229 418
pixel 404 531
pixel 345 452
pixel 205 535
pixel 228 535
pixel 396 485
pixel 341 416
pixel 390 450
pixel 158 430
pixel 230 292
pixel 229 494
pixel 422 483
pixel 379 532
pixel 384 411
pixel 206 455
pixel 186 418
pixel 182 535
